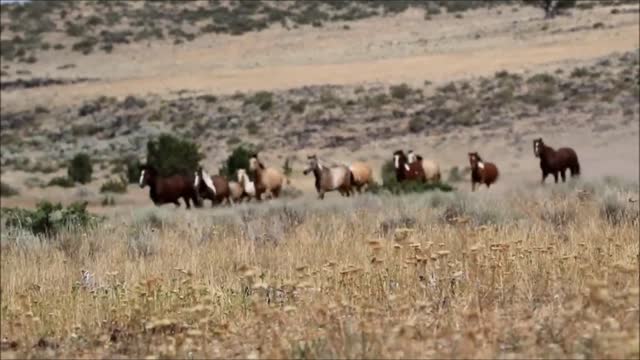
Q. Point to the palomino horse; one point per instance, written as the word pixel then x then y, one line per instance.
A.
pixel 362 175
pixel 406 170
pixel 430 167
pixel 214 188
pixel 247 186
pixel 164 190
pixel 267 180
pixel 482 172
pixel 330 178
pixel 556 161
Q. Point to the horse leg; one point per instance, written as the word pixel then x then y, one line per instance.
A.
pixel 555 176
pixel 321 195
pixel 177 203
pixel 544 176
pixel 187 202
pixel 276 192
pixel 563 175
pixel 473 186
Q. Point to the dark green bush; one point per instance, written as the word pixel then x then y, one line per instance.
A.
pixel 133 169
pixel 80 168
pixel 239 159
pixel 171 155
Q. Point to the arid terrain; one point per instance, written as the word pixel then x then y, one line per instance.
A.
pixel 520 270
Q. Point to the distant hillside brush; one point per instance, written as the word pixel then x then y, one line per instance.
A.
pixel 171 155
pixel 80 168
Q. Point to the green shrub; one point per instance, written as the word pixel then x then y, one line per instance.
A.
pixel 400 91
pixel 7 190
pixel 80 168
pixel 253 128
pixel 239 159
pixel 299 107
pixel 262 99
pixel 62 181
pixel 171 155
pixel 133 169
pixel 48 219
pixel 115 186
pixel 417 124
pixel 85 46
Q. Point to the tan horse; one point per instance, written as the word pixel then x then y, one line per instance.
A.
pixel 267 180
pixel 430 167
pixel 330 178
pixel 362 175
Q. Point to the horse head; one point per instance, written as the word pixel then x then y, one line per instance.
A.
pixel 538 144
pixel 474 160
pixel 411 157
pixel 255 163
pixel 147 173
pixel 399 159
pixel 313 164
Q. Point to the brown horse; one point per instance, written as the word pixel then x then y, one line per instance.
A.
pixel 214 188
pixel 556 161
pixel 330 178
pixel 482 172
pixel 362 175
pixel 164 190
pixel 430 167
pixel 406 170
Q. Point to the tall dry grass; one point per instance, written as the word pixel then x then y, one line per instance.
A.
pixel 548 273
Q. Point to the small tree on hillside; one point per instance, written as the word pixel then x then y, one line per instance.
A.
pixel 171 155
pixel 80 168
pixel 239 159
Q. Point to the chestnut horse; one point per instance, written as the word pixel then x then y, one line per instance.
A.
pixel 164 190
pixel 482 172
pixel 406 170
pixel 556 161
pixel 430 167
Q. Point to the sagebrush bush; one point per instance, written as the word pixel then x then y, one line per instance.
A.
pixel 48 218
pixel 115 186
pixel 80 168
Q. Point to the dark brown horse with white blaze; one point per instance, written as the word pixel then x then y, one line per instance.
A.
pixel 482 172
pixel 406 170
pixel 556 161
pixel 164 190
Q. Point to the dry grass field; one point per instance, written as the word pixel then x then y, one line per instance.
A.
pixel 541 273
pixel 521 270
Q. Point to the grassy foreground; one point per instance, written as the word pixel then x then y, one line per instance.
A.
pixel 551 272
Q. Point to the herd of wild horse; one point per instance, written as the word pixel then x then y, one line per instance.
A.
pixel 259 180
